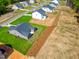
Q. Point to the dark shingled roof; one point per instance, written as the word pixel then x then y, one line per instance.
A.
pixel 19 6
pixel 48 6
pixel 53 3
pixel 2 56
pixel 41 11
pixel 24 28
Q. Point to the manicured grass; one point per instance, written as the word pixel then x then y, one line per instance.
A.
pixel 22 19
pixel 18 43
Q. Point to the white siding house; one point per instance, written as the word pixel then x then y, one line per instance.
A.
pixel 55 1
pixel 53 5
pixel 39 14
pixel 32 1
pixel 16 33
pixel 17 6
pixel 48 8
pixel 24 3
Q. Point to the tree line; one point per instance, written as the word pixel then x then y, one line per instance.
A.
pixel 74 4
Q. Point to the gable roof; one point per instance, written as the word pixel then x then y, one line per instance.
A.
pixel 41 11
pixel 19 6
pixel 25 3
pixel 55 1
pixel 24 28
pixel 53 5
pixel 2 56
pixel 51 8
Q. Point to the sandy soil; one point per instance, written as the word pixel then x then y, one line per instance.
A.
pixel 63 42
pixel 17 55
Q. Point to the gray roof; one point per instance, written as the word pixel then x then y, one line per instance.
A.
pixel 41 11
pixel 26 3
pixel 53 3
pixel 48 6
pixel 2 56
pixel 24 28
pixel 19 6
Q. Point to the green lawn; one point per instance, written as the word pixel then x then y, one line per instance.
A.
pixel 18 43
pixel 22 19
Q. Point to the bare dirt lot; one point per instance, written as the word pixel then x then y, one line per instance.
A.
pixel 47 22
pixel 63 43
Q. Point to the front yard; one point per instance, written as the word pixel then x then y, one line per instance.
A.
pixel 21 20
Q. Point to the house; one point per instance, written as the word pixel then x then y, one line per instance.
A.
pixel 32 1
pixel 5 51
pixel 52 4
pixel 17 6
pixel 39 14
pixel 48 8
pixel 24 4
pixel 24 30
pixel 55 1
pixel 2 55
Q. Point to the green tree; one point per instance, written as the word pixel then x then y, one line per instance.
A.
pixel 3 9
pixel 76 3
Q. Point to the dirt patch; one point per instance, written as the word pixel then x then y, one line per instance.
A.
pixel 17 55
pixel 63 43
pixel 47 22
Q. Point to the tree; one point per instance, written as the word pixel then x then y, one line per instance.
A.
pixel 2 9
pixel 76 5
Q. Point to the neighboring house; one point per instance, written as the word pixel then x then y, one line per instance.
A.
pixel 48 8
pixel 53 4
pixel 17 6
pixel 2 55
pixel 24 4
pixel 39 14
pixel 24 30
pixel 5 51
pixel 55 1
pixel 32 1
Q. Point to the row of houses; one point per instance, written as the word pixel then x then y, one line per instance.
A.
pixel 25 30
pixel 22 4
pixel 41 13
